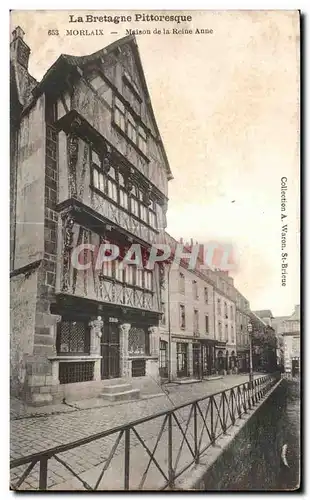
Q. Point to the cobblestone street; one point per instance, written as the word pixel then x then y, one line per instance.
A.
pixel 32 433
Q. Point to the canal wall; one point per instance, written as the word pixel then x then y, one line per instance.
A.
pixel 230 453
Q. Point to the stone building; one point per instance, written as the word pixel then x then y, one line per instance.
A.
pixel 202 319
pixel 189 313
pixel 88 168
pixel 225 322
pixel 288 327
pixel 264 343
pixel 242 334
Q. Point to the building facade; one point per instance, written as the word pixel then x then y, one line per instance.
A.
pixel 225 322
pixel 242 335
pixel 200 314
pixel 288 327
pixel 189 315
pixel 89 168
pixel 264 343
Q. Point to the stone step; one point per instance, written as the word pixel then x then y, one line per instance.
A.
pixel 112 389
pixel 121 396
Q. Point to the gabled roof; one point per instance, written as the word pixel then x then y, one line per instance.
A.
pixel 64 61
pixel 264 313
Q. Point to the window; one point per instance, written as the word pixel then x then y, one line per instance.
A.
pixel 219 306
pixel 148 280
pixel 225 310
pixel 135 207
pixel 119 271
pixel 206 294
pixel 123 196
pixel 181 283
pixel 72 337
pixel 195 290
pixel 144 213
pixel 112 184
pixel 139 277
pixel 119 114
pixel 232 334
pixel 142 140
pixel 131 129
pixel 220 330
pixel 163 309
pixel 226 332
pixel 182 316
pixel 207 323
pixel 127 123
pixel 107 268
pixel 112 189
pixel 152 215
pixel 129 274
pixel 196 322
pixel 231 312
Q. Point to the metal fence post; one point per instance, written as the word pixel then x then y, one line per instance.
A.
pixel 232 406
pixel 170 467
pixel 195 435
pixel 224 414
pixel 212 419
pixel 43 473
pixel 127 458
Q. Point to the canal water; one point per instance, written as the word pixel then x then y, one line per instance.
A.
pixel 253 461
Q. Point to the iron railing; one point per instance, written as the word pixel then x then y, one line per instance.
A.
pixel 150 453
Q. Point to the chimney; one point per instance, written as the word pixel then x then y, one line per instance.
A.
pixel 19 50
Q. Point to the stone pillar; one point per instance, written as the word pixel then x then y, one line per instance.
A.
pixel 55 372
pixel 154 340
pixel 97 369
pixel 125 365
pixel 190 360
pixel 95 336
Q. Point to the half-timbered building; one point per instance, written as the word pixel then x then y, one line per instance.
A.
pixel 90 169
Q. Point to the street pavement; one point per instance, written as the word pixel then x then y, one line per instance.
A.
pixel 35 430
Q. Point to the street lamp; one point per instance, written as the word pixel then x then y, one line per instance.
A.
pixel 250 330
pixel 168 265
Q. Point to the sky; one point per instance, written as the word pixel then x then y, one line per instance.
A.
pixel 227 107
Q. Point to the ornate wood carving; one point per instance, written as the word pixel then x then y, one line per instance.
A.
pixel 73 152
pixel 68 222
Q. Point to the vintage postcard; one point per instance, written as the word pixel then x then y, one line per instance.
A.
pixel 154 231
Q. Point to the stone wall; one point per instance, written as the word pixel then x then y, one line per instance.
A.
pixel 22 305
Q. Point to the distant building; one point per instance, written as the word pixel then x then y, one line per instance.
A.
pixel 201 316
pixel 288 327
pixel 264 343
pixel 242 335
